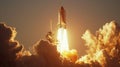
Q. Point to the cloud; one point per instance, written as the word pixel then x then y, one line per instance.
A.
pixel 104 46
pixel 9 48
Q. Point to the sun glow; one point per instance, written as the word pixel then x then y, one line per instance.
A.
pixel 62 40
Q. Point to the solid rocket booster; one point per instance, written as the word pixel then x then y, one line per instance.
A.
pixel 62 18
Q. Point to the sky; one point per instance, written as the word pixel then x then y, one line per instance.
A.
pixel 31 18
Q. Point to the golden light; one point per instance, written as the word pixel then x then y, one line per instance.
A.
pixel 62 40
pixel 63 46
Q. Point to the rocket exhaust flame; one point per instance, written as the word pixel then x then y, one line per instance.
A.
pixel 62 40
pixel 63 46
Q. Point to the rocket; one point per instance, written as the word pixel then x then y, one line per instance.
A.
pixel 62 18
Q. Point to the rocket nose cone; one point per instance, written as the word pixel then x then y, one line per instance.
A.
pixel 62 8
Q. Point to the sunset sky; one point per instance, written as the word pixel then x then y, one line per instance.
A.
pixel 31 18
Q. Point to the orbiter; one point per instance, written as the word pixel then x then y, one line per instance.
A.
pixel 62 18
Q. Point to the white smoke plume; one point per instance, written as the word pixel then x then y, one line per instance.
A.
pixel 103 47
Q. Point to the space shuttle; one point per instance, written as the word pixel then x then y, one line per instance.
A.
pixel 62 18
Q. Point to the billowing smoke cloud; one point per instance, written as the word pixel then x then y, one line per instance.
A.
pixel 45 55
pixel 103 50
pixel 10 50
pixel 103 47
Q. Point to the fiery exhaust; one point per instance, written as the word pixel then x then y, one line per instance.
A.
pixel 63 46
pixel 62 40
